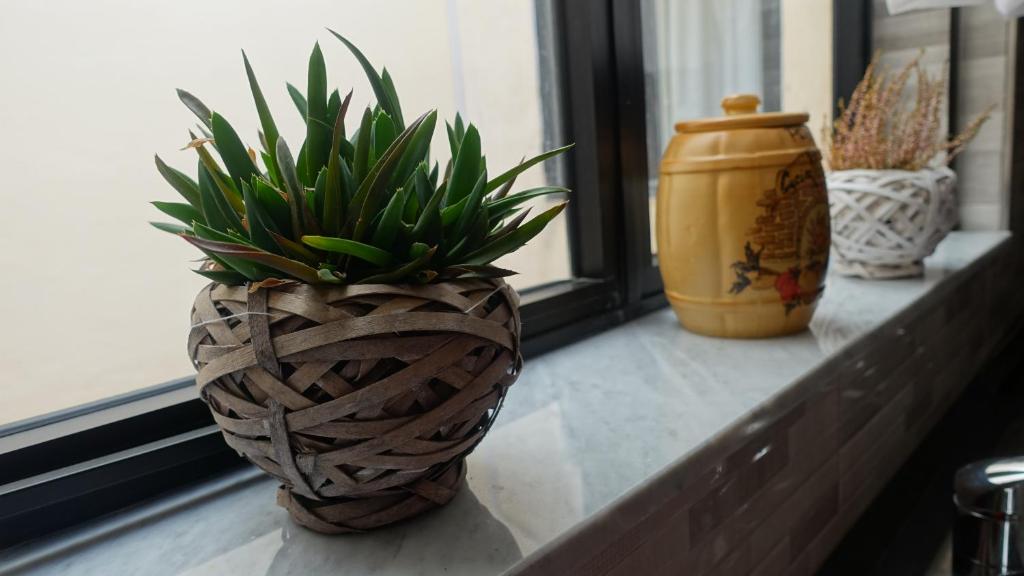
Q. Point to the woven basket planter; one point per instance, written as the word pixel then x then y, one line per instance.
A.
pixel 363 400
pixel 885 222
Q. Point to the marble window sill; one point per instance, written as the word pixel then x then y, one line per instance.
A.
pixel 594 444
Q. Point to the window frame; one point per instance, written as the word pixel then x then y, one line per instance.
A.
pixel 65 468
pixel 646 286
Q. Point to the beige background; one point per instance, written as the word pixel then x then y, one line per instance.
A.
pixel 96 302
pixel 807 61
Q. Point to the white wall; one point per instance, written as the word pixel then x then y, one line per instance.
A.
pixel 807 61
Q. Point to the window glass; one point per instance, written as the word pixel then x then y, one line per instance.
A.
pixel 695 53
pixel 95 301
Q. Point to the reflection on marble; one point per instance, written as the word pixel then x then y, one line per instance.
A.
pixel 530 452
pixel 585 427
pixel 241 531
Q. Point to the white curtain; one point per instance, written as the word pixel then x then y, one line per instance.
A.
pixel 695 53
pixel 704 50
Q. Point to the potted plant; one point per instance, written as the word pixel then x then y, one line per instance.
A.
pixel 356 341
pixel 891 191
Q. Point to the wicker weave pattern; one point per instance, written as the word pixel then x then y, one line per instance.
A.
pixel 884 222
pixel 362 400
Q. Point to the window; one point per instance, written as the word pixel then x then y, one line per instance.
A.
pixel 102 304
pixel 697 52
pixel 100 301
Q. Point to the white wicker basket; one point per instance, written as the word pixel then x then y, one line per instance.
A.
pixel 884 222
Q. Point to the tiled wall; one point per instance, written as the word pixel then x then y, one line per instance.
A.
pixel 986 68
pixel 775 493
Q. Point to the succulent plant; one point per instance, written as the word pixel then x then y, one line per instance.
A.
pixel 369 208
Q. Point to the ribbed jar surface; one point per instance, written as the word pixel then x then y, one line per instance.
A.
pixel 743 223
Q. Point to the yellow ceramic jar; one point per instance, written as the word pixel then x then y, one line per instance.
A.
pixel 743 222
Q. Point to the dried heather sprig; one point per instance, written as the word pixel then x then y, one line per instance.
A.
pixel 955 146
pixel 877 131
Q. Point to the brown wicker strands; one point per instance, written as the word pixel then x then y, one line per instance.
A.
pixel 362 400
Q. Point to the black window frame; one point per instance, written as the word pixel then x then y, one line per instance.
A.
pixel 65 468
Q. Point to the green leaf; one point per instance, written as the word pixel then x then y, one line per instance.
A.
pixel 417 249
pixel 333 191
pixel 275 203
pixel 457 249
pixel 228 277
pixel 472 208
pixel 296 270
pixel 453 141
pixel 208 233
pixel 523 166
pixel 418 151
pixel 380 90
pixel 348 151
pixel 423 193
pixel 260 222
pixel 232 151
pixel 466 168
pixel 451 213
pixel 217 213
pixel 219 179
pixel 333 107
pixel 402 272
pixel 433 175
pixel 500 208
pixel 348 187
pixel 364 139
pixel 387 230
pixel 318 138
pixel 389 87
pixel 196 106
pixel 383 133
pixel 293 187
pixel 367 201
pixel 460 129
pixel 299 100
pixel 315 197
pixel 250 270
pixel 359 250
pixel 294 250
pixel 270 132
pixel 469 271
pixel 478 228
pixel 329 276
pixel 428 227
pixel 506 187
pixel 185 186
pixel 300 165
pixel 514 239
pixel 185 213
pixel 411 210
pixel 272 170
pixel 510 225
pixel 176 229
pixel 205 132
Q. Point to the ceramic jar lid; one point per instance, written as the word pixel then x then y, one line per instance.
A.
pixel 741 112
pixel 743 138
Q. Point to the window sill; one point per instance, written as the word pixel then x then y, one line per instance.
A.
pixel 641 448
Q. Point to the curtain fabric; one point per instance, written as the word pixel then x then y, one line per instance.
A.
pixel 695 53
pixel 703 51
